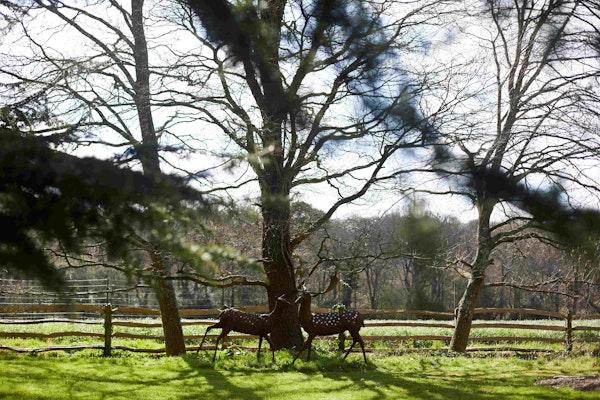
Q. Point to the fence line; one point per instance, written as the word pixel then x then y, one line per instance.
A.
pixel 99 291
pixel 108 315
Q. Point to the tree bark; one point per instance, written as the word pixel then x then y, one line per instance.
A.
pixel 278 265
pixel 466 306
pixel 147 153
pixel 169 310
pixel 275 182
pixel 169 313
pixel 464 313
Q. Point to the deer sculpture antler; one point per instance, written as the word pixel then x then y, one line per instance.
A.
pixel 253 324
pixel 328 323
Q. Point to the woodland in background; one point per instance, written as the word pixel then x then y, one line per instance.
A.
pixel 413 261
pixel 405 261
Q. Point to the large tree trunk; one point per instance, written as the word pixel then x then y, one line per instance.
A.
pixel 465 309
pixel 278 264
pixel 148 155
pixel 275 182
pixel 287 332
pixel 277 248
pixel 466 306
pixel 169 313
pixel 169 310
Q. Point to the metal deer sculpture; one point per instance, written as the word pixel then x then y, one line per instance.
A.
pixel 243 322
pixel 328 323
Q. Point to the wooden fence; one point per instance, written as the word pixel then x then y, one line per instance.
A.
pixel 113 318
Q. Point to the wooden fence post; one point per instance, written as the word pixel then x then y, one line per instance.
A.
pixel 108 330
pixel 569 331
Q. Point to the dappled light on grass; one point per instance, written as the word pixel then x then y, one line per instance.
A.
pixel 241 376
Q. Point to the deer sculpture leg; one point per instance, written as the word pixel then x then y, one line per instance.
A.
pixel 235 320
pixel 259 344
pixel 223 333
pixel 268 339
pixel 359 340
pixel 328 324
pixel 306 344
pixel 217 325
pixel 260 339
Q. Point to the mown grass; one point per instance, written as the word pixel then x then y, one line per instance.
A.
pixel 393 371
pixel 238 375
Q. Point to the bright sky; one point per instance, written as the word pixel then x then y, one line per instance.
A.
pixel 445 49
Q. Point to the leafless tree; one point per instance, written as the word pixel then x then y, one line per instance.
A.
pixel 300 86
pixel 92 63
pixel 528 136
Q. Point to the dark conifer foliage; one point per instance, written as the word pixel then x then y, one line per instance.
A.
pixel 573 227
pixel 48 196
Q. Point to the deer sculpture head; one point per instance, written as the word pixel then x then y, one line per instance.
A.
pixel 327 323
pixel 243 322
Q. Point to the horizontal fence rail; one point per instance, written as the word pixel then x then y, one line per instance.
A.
pixel 124 317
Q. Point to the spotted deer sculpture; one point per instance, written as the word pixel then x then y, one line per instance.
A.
pixel 328 324
pixel 243 322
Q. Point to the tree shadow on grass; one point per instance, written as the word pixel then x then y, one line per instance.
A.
pixel 382 385
pixel 219 384
pixel 368 382
pixel 95 378
pixel 413 385
pixel 190 377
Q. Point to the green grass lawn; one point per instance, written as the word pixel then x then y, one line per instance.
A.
pixel 393 371
pixel 237 375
